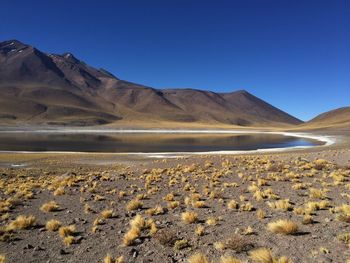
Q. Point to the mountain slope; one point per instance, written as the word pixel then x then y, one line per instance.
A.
pixel 335 118
pixel 40 88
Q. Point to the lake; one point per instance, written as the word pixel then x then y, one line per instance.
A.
pixel 147 142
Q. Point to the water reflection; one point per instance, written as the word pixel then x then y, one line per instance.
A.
pixel 147 142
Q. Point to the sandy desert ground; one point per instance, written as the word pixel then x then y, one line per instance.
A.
pixel 273 207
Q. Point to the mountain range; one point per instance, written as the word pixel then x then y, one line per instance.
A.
pixel 51 89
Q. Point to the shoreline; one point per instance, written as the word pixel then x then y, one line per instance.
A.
pixel 326 139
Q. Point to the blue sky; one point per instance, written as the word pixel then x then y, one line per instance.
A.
pixel 294 54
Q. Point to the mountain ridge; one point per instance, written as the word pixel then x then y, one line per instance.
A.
pixel 49 88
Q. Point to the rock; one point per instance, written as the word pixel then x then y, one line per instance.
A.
pixel 63 252
pixel 28 246
pixel 38 248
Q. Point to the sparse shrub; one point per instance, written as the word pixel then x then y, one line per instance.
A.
pixel 131 236
pixel 68 240
pixel 200 230
pixel 134 205
pixel 307 219
pixel 246 207
pixel 345 237
pixel 22 222
pixel 173 204
pixel 198 258
pixel 285 227
pixel 261 214
pixel 181 244
pixel 189 217
pixel 229 259
pixel 65 231
pixel 212 221
pixel 232 205
pixel 238 243
pixel 49 207
pixel 284 205
pixel 53 225
pixel 59 191
pixel 264 255
pixel 166 237
pixel 108 213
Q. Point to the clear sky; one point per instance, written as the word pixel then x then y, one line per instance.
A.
pixel 295 54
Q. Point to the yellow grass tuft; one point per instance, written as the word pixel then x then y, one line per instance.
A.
pixel 232 205
pixel 68 240
pixel 53 225
pixel 283 205
pixel 261 214
pixel 59 191
pixel 281 226
pixel 262 255
pixel 198 258
pixel 189 217
pixel 200 230
pixel 107 213
pixel 211 221
pixel 131 236
pixel 22 222
pixel 65 231
pixel 49 207
pixel 2 259
pixel 134 205
pixel 229 259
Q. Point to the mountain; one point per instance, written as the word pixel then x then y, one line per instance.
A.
pixel 339 118
pixel 41 88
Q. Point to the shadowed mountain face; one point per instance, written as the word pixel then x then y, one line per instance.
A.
pixel 40 88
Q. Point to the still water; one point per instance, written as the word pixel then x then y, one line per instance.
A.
pixel 131 142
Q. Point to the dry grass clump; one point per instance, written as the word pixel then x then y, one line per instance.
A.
pixel 109 259
pixel 229 259
pixel 158 210
pixel 68 240
pixel 173 204
pixel 136 226
pixel 286 227
pixel 232 205
pixel 134 205
pixel 200 230
pixel 261 214
pixel 307 219
pixel 317 193
pixel 65 231
pixel 53 225
pixel 166 237
pixel 131 236
pixel 181 244
pixel 345 237
pixel 246 207
pixel 198 258
pixel 59 191
pixel 21 222
pixel 283 205
pixel 2 259
pixel 211 221
pixel 189 217
pixel 107 213
pixel 238 243
pixel 49 207
pixel 264 255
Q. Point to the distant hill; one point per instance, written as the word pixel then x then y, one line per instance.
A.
pixel 331 119
pixel 41 88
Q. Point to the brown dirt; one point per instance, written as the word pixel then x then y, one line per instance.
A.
pixel 315 242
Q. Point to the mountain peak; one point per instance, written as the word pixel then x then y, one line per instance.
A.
pixel 70 57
